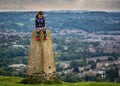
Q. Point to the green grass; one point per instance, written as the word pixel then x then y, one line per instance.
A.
pixel 15 81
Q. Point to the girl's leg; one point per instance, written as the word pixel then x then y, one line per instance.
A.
pixel 37 32
pixel 45 34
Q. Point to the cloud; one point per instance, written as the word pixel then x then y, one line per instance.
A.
pixel 19 7
pixel 100 4
pixel 61 4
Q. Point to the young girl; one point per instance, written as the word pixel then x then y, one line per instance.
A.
pixel 40 25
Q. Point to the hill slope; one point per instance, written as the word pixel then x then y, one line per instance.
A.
pixel 88 21
pixel 15 81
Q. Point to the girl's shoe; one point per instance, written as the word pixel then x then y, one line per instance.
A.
pixel 38 38
pixel 45 38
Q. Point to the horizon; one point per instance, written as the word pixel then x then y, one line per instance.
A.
pixel 60 10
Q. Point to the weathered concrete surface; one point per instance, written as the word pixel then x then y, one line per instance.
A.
pixel 41 63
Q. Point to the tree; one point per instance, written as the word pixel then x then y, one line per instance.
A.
pixel 72 77
pixel 110 58
pixel 112 74
pixel 76 70
pixel 98 60
pixel 76 63
pixel 90 78
pixel 93 64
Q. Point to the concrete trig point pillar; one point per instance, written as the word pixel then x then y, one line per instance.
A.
pixel 41 63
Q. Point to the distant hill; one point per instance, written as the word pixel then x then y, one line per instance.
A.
pixel 57 20
pixel 15 81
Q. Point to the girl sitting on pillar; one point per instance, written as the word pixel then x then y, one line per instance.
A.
pixel 40 25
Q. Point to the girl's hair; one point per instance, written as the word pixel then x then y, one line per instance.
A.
pixel 39 13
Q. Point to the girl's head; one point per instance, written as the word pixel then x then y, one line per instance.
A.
pixel 39 14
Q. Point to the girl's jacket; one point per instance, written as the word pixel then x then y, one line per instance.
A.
pixel 40 22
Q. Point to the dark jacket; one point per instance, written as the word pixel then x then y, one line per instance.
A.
pixel 39 22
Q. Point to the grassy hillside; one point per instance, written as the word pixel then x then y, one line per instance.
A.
pixel 15 81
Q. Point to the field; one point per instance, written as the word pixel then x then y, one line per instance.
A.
pixel 15 81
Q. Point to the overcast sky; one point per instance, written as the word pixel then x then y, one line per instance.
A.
pixel 112 5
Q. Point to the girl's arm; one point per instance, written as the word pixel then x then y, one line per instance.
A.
pixel 43 22
pixel 36 23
